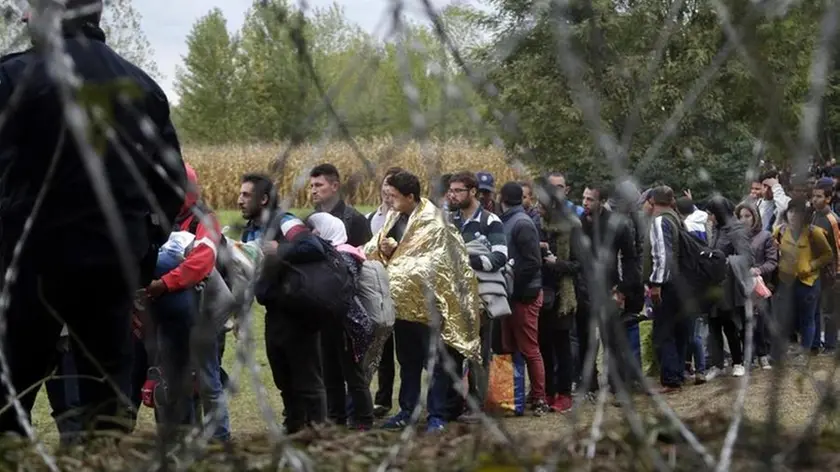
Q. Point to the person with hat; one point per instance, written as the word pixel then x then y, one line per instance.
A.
pixel 82 241
pixel 487 191
pixel 520 331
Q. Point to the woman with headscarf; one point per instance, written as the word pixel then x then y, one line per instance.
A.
pixel 343 345
pixel 766 260
pixel 727 315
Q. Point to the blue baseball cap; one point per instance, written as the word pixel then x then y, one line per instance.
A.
pixel 486 181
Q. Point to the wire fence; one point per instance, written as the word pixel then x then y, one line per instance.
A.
pixel 633 434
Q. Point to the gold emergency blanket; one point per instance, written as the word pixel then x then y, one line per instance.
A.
pixel 432 257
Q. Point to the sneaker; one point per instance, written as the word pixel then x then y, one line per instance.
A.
pixel 435 425
pixel 470 418
pixel 764 362
pixel 713 373
pixel 562 403
pixel 738 370
pixel 699 378
pixel 398 421
pixel 380 411
pixel 540 408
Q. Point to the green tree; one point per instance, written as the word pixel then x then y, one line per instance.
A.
pixel 208 83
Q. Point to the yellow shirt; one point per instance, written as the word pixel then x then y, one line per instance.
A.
pixel 804 257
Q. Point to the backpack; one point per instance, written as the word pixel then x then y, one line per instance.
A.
pixel 322 287
pixel 700 266
pixel 374 292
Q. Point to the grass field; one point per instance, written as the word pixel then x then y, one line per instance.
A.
pixel 707 406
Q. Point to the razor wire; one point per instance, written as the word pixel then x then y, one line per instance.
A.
pixel 614 148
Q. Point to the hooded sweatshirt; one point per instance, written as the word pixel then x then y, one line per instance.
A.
pixel 695 223
pixel 201 260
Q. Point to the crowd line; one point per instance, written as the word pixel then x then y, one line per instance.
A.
pixel 110 324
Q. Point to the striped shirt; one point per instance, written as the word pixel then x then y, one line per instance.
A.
pixel 493 233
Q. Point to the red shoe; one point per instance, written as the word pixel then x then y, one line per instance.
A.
pixel 562 403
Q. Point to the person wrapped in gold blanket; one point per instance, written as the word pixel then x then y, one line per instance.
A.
pixel 429 271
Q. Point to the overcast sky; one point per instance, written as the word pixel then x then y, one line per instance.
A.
pixel 167 23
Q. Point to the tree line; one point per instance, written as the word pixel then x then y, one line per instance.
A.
pixel 690 92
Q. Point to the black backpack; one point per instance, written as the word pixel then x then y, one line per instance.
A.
pixel 321 287
pixel 699 266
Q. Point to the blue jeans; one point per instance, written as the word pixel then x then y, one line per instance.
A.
pixel 697 346
pixel 63 394
pixel 635 340
pixel 174 315
pixel 825 319
pixel 412 347
pixel 806 302
pixel 211 390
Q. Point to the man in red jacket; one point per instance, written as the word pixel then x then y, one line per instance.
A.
pixel 202 258
pixel 196 267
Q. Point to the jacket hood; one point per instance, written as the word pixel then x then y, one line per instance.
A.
pixel 355 252
pixel 192 192
pixel 697 218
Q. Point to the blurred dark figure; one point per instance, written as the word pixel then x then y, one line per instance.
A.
pixel 71 249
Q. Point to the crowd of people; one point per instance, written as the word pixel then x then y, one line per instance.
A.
pixel 442 282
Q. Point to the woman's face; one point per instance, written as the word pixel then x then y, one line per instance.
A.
pixel 712 218
pixel 746 217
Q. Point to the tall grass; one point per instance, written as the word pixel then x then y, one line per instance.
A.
pixel 219 168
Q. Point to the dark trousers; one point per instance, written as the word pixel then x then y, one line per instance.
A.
pixel 343 375
pixel 294 354
pixel 40 302
pixel 671 335
pixel 478 375
pixel 412 347
pixel 720 325
pixel 63 394
pixel 385 375
pixel 588 373
pixel 556 349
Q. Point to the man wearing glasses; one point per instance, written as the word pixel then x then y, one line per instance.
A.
pixel 477 225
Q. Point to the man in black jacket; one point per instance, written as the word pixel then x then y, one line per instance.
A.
pixel 611 237
pixel 520 330
pixel 325 183
pixel 73 252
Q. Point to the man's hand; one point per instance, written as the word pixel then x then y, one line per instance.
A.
pixel 755 271
pixel 550 259
pixel 270 248
pixel 770 182
pixel 156 289
pixel 388 246
pixel 656 295
pixel 544 245
pixel 687 193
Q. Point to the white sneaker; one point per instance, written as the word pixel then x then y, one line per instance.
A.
pixel 764 362
pixel 712 373
pixel 738 370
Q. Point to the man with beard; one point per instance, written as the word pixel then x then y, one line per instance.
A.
pixel 613 233
pixel 487 191
pixel 476 224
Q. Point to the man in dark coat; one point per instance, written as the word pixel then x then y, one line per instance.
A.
pixel 95 226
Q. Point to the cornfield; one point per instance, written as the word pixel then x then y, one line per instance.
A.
pixel 220 168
